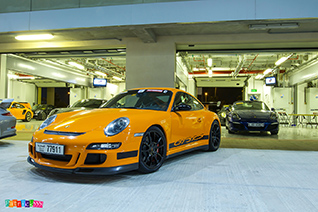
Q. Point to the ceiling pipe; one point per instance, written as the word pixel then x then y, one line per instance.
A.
pixel 108 72
pixel 239 66
pixel 114 64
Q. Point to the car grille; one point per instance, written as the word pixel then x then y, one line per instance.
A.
pixel 64 158
pixel 93 159
pixel 51 132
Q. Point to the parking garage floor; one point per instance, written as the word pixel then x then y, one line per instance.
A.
pixel 250 172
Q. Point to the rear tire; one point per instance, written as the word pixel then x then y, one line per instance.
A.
pixel 28 117
pixel 152 152
pixel 215 136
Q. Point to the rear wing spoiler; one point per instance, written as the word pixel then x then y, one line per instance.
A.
pixel 5 103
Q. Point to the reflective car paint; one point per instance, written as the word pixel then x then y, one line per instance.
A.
pixel 7 121
pixel 83 104
pixel 21 111
pixel 183 131
pixel 251 116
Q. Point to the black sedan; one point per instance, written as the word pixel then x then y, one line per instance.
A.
pixel 41 111
pixel 83 104
pixel 251 116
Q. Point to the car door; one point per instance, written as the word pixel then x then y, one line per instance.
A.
pixel 186 123
pixel 17 110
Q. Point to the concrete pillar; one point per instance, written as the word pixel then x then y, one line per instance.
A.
pixel 3 77
pixel 39 95
pixel 150 64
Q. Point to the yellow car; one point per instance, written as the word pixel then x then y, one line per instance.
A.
pixel 136 130
pixel 21 111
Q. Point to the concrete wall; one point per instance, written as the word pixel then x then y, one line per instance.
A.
pixel 150 64
pixel 22 92
pixel 152 13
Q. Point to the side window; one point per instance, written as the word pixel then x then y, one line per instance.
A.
pixel 20 106
pixel 187 99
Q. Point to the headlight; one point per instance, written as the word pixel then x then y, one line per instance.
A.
pixel 104 146
pixel 236 116
pixel 223 114
pixel 116 126
pixel 273 116
pixel 47 122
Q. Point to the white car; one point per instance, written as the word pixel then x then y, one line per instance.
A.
pixel 7 121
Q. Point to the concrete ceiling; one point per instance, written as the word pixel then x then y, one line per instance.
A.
pixel 103 48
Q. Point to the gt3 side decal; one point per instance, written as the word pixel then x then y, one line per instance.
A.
pixel 188 140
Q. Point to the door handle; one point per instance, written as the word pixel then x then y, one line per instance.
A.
pixel 199 120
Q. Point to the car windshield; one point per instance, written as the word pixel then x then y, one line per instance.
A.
pixel 250 106
pixel 39 107
pixel 151 99
pixel 91 103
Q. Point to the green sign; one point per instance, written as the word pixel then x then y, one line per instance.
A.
pixel 254 90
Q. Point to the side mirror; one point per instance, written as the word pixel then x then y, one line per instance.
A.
pixel 182 107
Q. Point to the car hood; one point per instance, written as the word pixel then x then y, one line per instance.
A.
pixel 69 109
pixel 252 114
pixel 96 119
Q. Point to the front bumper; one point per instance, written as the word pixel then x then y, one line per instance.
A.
pixel 94 171
pixel 243 126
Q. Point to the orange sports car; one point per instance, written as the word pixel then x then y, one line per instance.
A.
pixel 21 111
pixel 137 129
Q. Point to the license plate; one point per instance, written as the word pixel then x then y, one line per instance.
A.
pixel 256 124
pixel 53 149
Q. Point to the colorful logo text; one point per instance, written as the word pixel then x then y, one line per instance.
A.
pixel 23 203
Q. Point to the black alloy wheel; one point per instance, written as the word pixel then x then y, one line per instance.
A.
pixel 215 136
pixel 152 150
pixel 28 117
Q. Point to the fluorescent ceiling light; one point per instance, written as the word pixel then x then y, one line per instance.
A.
pixel 210 62
pixel 34 37
pixel 267 71
pixel 199 69
pixel 260 76
pixel 76 65
pixel 281 60
pixel 222 69
pixel 100 73
pixel 117 78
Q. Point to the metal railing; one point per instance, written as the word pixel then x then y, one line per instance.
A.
pixel 303 120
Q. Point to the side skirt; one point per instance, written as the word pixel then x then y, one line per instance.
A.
pixel 204 147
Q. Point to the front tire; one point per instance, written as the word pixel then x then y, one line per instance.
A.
pixel 28 117
pixel 42 116
pixel 215 136
pixel 152 151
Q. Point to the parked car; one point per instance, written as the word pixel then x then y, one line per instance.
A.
pixel 7 120
pixel 41 111
pixel 252 116
pixel 83 104
pixel 21 110
pixel 137 129
pixel 222 114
